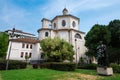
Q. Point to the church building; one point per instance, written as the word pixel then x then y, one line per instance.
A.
pixel 65 26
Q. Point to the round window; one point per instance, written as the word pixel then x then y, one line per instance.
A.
pixel 73 24
pixel 63 23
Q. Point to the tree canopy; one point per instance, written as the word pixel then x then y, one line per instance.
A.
pixel 3 44
pixel 56 49
pixel 114 28
pixel 96 34
pixel 114 47
pixel 110 35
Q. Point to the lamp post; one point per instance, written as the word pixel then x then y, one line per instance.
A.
pixel 7 63
pixel 76 49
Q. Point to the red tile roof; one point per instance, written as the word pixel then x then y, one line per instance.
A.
pixel 26 40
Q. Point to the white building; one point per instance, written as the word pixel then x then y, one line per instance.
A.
pixel 22 44
pixel 66 27
pixel 19 48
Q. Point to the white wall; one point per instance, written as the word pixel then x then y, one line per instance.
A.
pixel 45 23
pixel 79 45
pixel 16 49
pixel 76 22
pixel 36 52
pixel 58 22
pixel 42 34
pixel 64 35
pixel 69 20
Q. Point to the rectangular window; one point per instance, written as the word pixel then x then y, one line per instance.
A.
pixel 31 46
pixel 23 45
pixel 27 46
pixel 30 55
pixel 22 54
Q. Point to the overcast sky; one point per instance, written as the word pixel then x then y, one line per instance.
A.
pixel 26 15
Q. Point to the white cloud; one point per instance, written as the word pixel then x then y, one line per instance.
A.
pixel 75 6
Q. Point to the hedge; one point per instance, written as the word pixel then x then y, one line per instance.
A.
pixel 116 67
pixel 2 64
pixel 13 64
pixel 87 66
pixel 46 65
pixel 63 66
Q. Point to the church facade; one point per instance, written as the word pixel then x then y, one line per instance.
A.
pixel 65 26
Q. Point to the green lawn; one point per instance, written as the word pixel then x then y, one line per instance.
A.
pixel 47 74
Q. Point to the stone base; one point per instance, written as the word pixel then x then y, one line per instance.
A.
pixel 105 71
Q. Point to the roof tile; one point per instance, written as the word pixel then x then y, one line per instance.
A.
pixel 26 40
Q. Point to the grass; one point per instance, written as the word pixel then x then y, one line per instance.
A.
pixel 47 74
pixel 28 74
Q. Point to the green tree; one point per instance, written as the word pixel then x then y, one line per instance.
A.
pixel 3 44
pixel 114 55
pixel 114 47
pixel 27 58
pixel 114 28
pixel 56 49
pixel 96 34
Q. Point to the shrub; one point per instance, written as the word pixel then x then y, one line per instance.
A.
pixel 45 65
pixel 63 66
pixel 116 67
pixel 13 64
pixel 2 64
pixel 87 66
pixel 35 66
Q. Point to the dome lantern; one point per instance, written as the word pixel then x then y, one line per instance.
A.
pixel 65 11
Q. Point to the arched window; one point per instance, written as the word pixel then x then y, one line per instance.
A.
pixel 78 36
pixel 63 23
pixel 54 25
pixel 46 34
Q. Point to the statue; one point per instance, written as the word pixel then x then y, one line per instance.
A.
pixel 102 58
pixel 101 55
